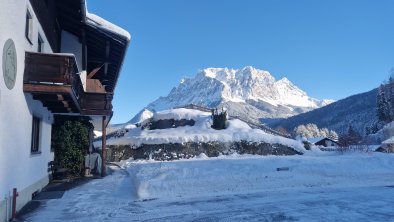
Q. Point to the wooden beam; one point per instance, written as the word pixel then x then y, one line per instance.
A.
pixel 60 97
pixel 107 48
pixel 41 90
pixel 58 105
pixel 103 145
pixel 84 50
pixel 62 111
pixel 46 89
pixel 93 72
pixel 65 104
pixel 100 60
pixel 96 112
pixel 49 98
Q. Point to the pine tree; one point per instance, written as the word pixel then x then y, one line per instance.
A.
pixel 390 99
pixel 353 137
pixel 382 109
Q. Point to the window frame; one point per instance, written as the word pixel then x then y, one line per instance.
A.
pixel 35 135
pixel 29 27
pixel 40 43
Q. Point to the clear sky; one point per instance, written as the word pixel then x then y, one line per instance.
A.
pixel 330 49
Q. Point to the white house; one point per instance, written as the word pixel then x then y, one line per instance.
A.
pixel 387 146
pixel 56 59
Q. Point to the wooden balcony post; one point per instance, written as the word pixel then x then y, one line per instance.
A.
pixel 103 146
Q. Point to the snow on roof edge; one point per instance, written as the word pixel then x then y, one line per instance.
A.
pixel 389 141
pixel 102 23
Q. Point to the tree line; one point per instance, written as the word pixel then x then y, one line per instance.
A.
pixel 385 100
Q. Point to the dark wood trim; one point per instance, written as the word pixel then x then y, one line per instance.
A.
pixel 103 145
pixel 46 15
pixel 107 48
pixel 84 50
pixel 46 93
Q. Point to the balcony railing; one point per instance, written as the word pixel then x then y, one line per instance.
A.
pixel 96 103
pixel 53 79
pixel 45 68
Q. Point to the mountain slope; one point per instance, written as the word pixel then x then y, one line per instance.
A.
pixel 358 110
pixel 249 93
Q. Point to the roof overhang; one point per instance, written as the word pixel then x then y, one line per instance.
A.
pixel 106 47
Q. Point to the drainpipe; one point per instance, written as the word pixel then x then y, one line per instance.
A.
pixel 14 195
pixel 83 35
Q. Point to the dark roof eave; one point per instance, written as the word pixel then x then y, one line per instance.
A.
pixel 124 44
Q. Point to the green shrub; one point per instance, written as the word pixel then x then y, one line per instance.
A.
pixel 70 141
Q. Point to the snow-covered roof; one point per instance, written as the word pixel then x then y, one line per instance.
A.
pixel 389 141
pixel 102 23
pixel 316 139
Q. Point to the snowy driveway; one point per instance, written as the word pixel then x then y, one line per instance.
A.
pixel 169 191
pixel 360 204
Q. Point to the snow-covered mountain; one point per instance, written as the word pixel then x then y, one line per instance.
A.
pixel 249 93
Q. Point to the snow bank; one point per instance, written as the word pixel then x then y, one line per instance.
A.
pixel 180 113
pixel 248 174
pixel 200 132
pixel 97 133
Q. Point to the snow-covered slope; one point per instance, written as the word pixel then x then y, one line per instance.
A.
pixel 240 91
pixel 141 116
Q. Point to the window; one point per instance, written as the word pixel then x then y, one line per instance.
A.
pixel 35 135
pixel 40 45
pixel 29 27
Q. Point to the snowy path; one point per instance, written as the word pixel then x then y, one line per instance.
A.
pixel 315 189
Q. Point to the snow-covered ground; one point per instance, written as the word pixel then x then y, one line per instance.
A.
pixel 317 187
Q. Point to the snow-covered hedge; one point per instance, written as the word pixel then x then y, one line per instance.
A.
pixel 201 132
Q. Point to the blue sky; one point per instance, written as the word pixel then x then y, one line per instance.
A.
pixel 330 49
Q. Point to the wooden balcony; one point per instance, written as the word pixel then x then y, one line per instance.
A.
pixel 53 79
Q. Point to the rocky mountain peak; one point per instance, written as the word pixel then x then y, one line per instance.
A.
pixel 246 90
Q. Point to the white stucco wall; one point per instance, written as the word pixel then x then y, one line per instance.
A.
pixel 70 44
pixel 18 167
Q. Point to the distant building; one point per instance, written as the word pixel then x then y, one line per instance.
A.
pixel 323 141
pixel 56 59
pixel 387 146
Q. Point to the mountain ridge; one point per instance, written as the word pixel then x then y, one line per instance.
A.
pixel 248 92
pixel 357 110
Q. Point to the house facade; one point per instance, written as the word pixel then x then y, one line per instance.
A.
pixel 56 59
